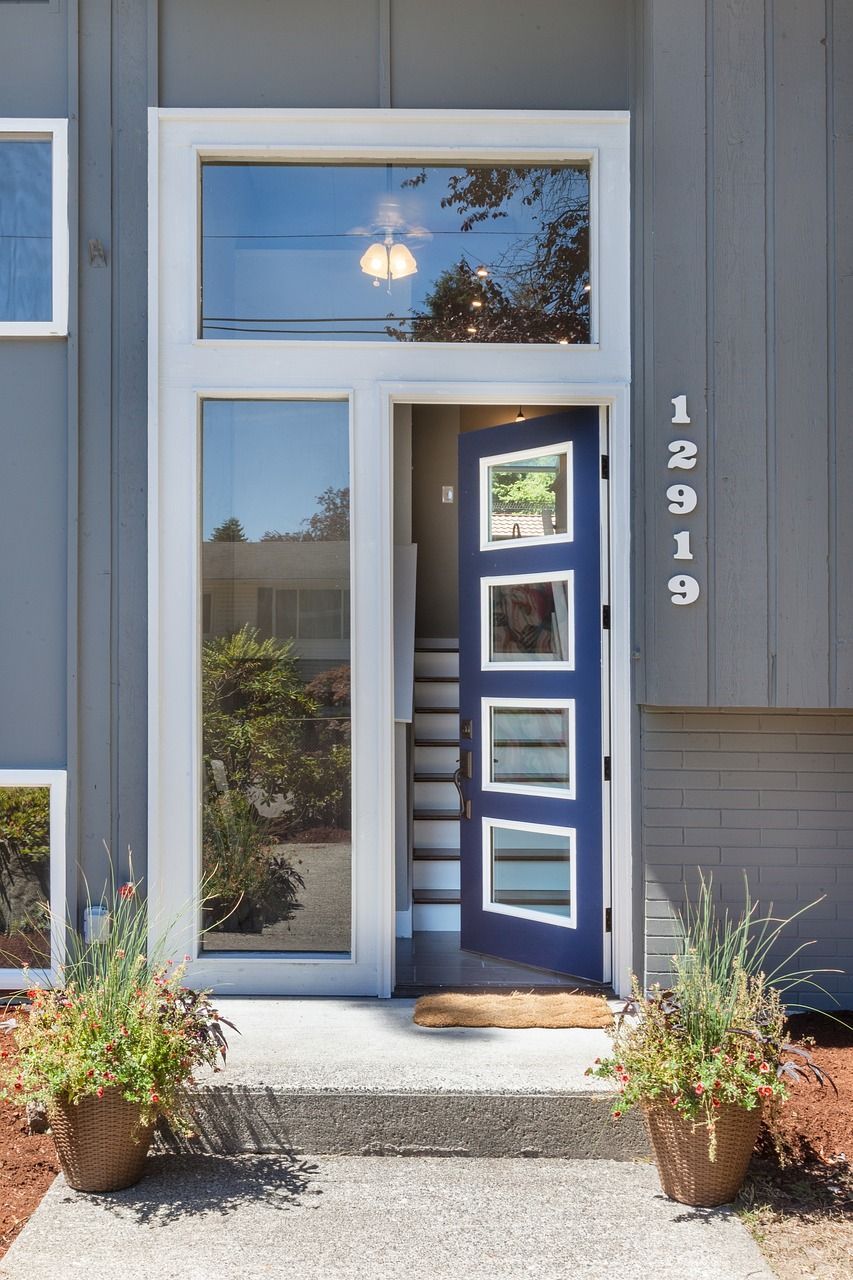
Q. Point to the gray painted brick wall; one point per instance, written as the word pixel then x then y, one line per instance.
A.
pixel 769 794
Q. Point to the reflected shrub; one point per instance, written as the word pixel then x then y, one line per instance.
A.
pixel 247 884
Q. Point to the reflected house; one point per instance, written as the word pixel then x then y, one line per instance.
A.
pixel 290 590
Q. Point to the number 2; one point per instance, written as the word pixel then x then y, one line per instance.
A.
pixel 683 455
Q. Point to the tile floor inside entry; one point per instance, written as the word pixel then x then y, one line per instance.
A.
pixel 431 961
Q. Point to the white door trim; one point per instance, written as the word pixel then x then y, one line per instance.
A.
pixel 184 369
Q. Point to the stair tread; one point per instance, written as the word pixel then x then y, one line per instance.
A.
pixel 434 648
pixel 442 711
pixel 436 679
pixel 436 815
pixel 448 897
pixel 434 777
pixel 435 855
pixel 436 742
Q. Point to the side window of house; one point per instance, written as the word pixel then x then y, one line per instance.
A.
pixel 33 228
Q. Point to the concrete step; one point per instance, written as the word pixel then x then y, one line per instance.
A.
pixel 358 1077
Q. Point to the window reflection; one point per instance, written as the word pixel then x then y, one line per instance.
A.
pixel 26 239
pixel 397 252
pixel 24 877
pixel 275 676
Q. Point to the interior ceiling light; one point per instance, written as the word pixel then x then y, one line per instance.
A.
pixel 388 260
pixel 519 417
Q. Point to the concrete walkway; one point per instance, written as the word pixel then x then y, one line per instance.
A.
pixel 334 1218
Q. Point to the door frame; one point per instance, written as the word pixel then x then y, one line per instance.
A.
pixel 613 401
pixel 185 369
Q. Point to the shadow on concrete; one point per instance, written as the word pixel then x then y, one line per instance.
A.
pixel 180 1187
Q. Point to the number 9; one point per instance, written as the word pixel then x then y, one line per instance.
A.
pixel 684 589
pixel 682 499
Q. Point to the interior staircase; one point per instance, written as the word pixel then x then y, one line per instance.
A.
pixel 435 847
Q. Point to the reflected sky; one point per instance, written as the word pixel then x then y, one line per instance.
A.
pixel 25 230
pixel 267 461
pixel 282 247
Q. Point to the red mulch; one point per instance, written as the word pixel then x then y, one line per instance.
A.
pixel 28 1164
pixel 815 1124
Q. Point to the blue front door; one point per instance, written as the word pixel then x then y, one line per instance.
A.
pixel 530 669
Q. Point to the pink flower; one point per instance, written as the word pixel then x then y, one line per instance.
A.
pixel 765 1091
pixel 100 1091
pixel 699 1089
pixel 127 890
pixel 155 1098
pixel 616 1114
pixel 764 1067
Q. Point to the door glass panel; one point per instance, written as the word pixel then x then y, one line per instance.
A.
pixel 396 252
pixel 275 672
pixel 532 870
pixel 529 621
pixel 531 747
pixel 528 498
pixel 24 877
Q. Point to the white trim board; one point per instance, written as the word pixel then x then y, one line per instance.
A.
pixel 55 780
pixel 183 370
pixel 21 128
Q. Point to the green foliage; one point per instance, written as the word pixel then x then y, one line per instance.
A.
pixel 121 1019
pixel 524 491
pixel 716 1035
pixel 254 708
pixel 241 867
pixel 231 530
pixel 329 523
pixel 322 794
pixel 25 821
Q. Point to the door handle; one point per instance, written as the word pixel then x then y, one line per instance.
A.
pixel 463 772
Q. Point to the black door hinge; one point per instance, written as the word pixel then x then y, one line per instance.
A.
pixel 607 768
pixel 605 617
pixel 605 466
pixel 608 919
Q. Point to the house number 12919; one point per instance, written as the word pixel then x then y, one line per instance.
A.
pixel 682 500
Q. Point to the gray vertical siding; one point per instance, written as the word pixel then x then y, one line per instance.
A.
pixel 745 275
pixel 33 456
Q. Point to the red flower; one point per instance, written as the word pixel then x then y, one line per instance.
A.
pixel 127 890
pixel 764 1067
pixel 717 1050
pixel 765 1091
pixel 18 1086
pixel 155 1098
pixel 673 1102
pixel 616 1115
pixel 89 1074
pixel 109 1047
pixel 699 1089
pixel 715 1102
pixel 100 1091
pixel 718 1084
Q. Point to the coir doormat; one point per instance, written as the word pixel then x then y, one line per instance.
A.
pixel 517 1009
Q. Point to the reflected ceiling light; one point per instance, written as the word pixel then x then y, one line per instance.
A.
pixel 519 417
pixel 388 261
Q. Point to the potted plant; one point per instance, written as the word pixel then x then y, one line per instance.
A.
pixel 111 1048
pixel 706 1059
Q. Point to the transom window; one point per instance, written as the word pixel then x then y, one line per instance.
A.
pixel 396 252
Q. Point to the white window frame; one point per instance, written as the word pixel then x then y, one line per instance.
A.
pixel 12 979
pixel 487 662
pixel 529 913
pixel 488 705
pixel 373 377
pixel 521 455
pixel 57 132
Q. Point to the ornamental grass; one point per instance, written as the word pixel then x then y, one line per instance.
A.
pixel 118 1017
pixel 716 1035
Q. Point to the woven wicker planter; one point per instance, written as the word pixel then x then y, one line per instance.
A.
pixel 682 1151
pixel 100 1142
